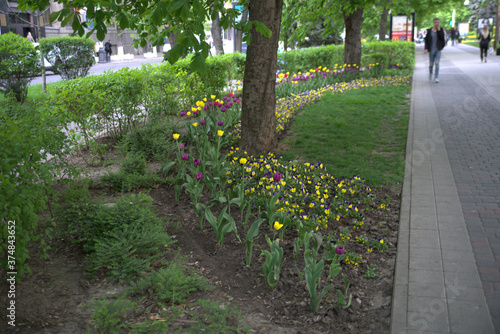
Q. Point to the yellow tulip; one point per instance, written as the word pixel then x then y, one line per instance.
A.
pixel 176 136
pixel 195 124
pixel 220 133
pixel 212 97
pixel 277 225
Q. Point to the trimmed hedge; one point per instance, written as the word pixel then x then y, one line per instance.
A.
pixel 71 56
pixel 402 53
pixel 19 64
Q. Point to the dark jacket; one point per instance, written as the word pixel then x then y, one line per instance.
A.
pixel 484 41
pixel 440 42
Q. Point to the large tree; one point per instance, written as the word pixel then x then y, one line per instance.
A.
pixel 156 19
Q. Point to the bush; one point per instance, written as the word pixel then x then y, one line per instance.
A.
pixel 32 160
pixel 398 53
pixel 71 56
pixel 170 284
pixel 374 59
pixel 153 140
pixel 19 64
pixel 123 237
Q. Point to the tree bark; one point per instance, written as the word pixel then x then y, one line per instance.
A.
pixel 239 33
pixel 217 36
pixel 383 22
pixel 258 120
pixel 352 43
pixel 171 39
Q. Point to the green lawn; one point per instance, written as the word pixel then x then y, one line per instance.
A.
pixel 360 132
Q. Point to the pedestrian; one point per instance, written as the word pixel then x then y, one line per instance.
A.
pixel 434 43
pixel 453 36
pixel 484 42
pixel 107 48
pixel 29 37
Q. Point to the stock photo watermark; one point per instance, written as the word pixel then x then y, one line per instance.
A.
pixel 11 273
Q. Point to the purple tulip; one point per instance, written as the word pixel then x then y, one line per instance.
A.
pixel 202 122
pixel 181 145
pixel 339 250
pixel 223 109
pixel 197 162
pixel 184 156
pixel 220 123
pixel 227 105
pixel 182 114
pixel 199 176
pixel 205 108
pixel 195 112
pixel 277 177
pixel 210 103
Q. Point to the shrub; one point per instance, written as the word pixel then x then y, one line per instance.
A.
pixel 374 58
pixel 109 316
pixel 134 164
pixel 32 159
pixel 398 53
pixel 153 140
pixel 170 284
pixel 71 56
pixel 19 63
pixel 123 237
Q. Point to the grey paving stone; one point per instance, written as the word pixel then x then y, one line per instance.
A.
pixel 425 289
pixel 426 276
pixel 428 321
pixel 468 316
pixel 470 279
pixel 426 263
pixel 457 255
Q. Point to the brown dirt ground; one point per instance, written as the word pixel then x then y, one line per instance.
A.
pixel 53 299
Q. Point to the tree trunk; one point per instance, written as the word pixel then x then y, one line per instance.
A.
pixel 258 119
pixel 239 33
pixel 217 36
pixel 352 43
pixel 383 22
pixel 171 39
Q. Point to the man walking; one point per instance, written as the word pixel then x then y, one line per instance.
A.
pixel 434 43
pixel 107 48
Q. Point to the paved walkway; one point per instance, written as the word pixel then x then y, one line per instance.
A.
pixel 448 264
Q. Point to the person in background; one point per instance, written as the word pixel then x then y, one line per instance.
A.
pixel 29 37
pixel 434 43
pixel 484 42
pixel 453 35
pixel 107 48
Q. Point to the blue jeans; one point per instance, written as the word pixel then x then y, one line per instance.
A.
pixel 434 58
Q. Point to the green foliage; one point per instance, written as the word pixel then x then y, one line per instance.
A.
pixel 132 175
pixel 272 264
pixel 130 249
pixel 160 90
pixel 72 57
pixel 88 221
pixel 109 316
pixel 134 164
pixel 375 60
pixel 399 53
pixel 32 159
pixel 170 284
pixel 19 63
pixel 213 317
pixel 370 272
pixel 402 53
pixel 153 140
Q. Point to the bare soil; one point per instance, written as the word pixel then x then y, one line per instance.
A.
pixel 53 299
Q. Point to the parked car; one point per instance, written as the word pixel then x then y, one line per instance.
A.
pixel 48 66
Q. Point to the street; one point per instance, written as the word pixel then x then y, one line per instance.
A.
pixel 100 68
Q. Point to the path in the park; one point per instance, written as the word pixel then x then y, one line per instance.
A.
pixel 448 263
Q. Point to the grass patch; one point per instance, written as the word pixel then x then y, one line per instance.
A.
pixel 360 132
